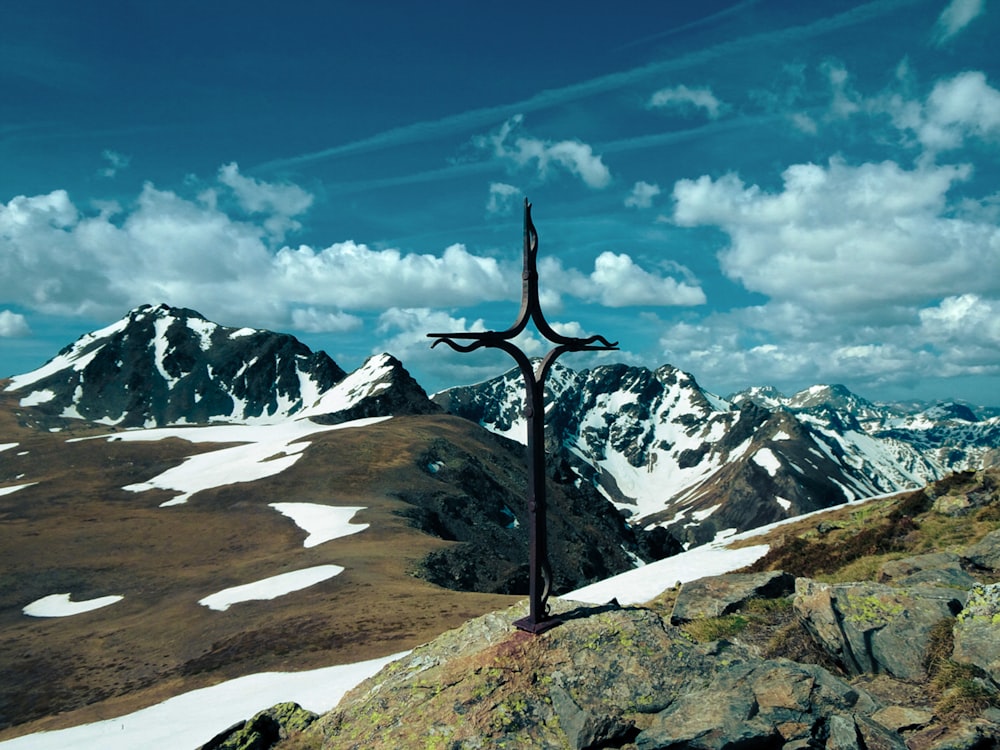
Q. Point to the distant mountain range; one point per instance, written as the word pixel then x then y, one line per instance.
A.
pixel 664 451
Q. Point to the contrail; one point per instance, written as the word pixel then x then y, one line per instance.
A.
pixel 486 116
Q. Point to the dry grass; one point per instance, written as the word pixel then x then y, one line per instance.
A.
pixel 77 531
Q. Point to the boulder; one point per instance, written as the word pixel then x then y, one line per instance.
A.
pixel 715 596
pixel 874 628
pixel 977 630
pixel 985 554
pixel 264 730
pixel 937 568
pixel 759 703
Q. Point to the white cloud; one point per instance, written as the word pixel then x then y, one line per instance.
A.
pixel 13 324
pixel 872 277
pixel 955 17
pixel 963 319
pixel 844 238
pixel 116 162
pixel 642 195
pixel 353 276
pixel 574 156
pixel 764 345
pixel 279 202
pixel 312 320
pixel 804 123
pixel 957 108
pixel 59 260
pixel 684 98
pixel 502 197
pixel 617 281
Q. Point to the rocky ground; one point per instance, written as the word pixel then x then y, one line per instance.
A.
pixel 876 626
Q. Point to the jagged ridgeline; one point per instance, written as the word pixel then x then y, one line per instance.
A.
pixel 666 452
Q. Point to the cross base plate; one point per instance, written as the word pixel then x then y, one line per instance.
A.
pixel 536 627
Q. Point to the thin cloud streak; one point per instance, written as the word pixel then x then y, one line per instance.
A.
pixel 479 118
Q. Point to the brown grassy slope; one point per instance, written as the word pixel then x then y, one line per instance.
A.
pixel 852 542
pixel 77 531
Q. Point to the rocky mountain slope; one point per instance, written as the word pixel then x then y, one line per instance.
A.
pixel 667 452
pixel 903 657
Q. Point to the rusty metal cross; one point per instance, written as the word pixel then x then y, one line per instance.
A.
pixel 540 581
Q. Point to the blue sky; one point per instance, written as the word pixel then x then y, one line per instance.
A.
pixel 756 191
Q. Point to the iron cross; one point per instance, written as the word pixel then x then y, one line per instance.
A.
pixel 540 582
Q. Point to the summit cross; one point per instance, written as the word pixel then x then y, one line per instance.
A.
pixel 540 582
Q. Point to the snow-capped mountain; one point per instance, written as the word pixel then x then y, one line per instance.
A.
pixel 667 452
pixel 163 365
pixel 919 443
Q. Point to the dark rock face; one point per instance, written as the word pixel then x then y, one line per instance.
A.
pixel 479 503
pixel 163 365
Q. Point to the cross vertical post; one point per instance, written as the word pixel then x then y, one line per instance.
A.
pixel 540 575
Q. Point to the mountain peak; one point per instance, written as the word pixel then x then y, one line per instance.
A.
pixel 165 365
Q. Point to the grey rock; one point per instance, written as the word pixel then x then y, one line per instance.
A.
pixel 715 596
pixel 264 730
pixel 900 718
pixel 843 733
pixel 977 630
pixel 938 568
pixel 985 553
pixel 871 627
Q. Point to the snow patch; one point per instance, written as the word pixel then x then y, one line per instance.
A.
pixel 321 522
pixel 191 719
pixel 786 504
pixel 14 488
pixel 271 588
pixel 765 459
pixel 59 605
pixel 37 397
pixel 204 329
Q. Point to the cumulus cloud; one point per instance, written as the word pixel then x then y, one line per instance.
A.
pixel 955 17
pixel 279 202
pixel 958 108
pixel 871 276
pixel 13 324
pixel 502 198
pixel 575 157
pixel 617 281
pixel 61 260
pixel 844 237
pixel 684 98
pixel 642 195
pixel 357 277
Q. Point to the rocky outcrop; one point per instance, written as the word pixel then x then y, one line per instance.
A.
pixel 977 630
pixel 264 730
pixel 607 677
pixel 872 627
pixel 715 596
pixel 985 554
